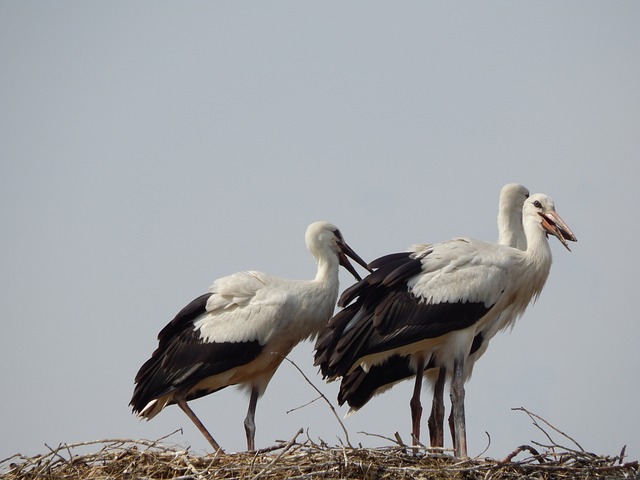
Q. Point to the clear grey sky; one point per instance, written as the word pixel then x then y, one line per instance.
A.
pixel 148 148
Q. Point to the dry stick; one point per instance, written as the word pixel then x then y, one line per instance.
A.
pixel 286 448
pixel 55 452
pixel 487 447
pixel 15 455
pixel 69 452
pixel 107 443
pixel 122 441
pixel 567 454
pixel 272 448
pixel 533 415
pixel 152 444
pixel 622 454
pixel 553 444
pixel 313 444
pixel 522 448
pixel 398 440
pixel 191 467
pixel 344 453
pixel 335 414
pixel 302 406
pixel 418 445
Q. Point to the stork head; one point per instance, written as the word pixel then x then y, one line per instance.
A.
pixel 510 229
pixel 324 233
pixel 513 194
pixel 550 221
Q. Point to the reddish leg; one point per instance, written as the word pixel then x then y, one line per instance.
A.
pixel 436 419
pixel 186 409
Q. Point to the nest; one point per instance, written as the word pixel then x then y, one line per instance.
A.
pixel 143 459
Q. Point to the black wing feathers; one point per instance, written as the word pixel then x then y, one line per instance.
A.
pixel 184 318
pixel 183 359
pixel 358 387
pixel 382 314
pixel 478 340
pixel 392 270
pixel 349 329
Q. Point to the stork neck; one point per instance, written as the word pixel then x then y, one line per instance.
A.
pixel 538 254
pixel 327 268
pixel 322 292
pixel 510 230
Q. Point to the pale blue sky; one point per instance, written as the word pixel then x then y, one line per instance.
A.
pixel 150 147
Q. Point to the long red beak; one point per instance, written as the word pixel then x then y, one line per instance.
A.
pixel 554 225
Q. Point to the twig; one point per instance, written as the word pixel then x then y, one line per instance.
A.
pixel 522 448
pixel 399 442
pixel 55 452
pixel 622 454
pixel 287 447
pixel 302 406
pixel 487 447
pixel 273 448
pixel 417 445
pixel 335 414
pixel 192 468
pixel 344 453
pixel 153 444
pixel 313 444
pixel 533 415
pixel 554 445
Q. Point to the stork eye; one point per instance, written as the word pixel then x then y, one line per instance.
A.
pixel 537 204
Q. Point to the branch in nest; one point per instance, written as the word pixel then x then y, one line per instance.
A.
pixel 286 448
pixel 333 410
pixel 533 416
pixel 522 448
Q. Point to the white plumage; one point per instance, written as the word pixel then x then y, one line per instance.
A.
pixel 358 387
pixel 430 302
pixel 240 331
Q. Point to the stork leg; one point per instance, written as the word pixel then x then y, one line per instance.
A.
pixel 452 429
pixel 249 421
pixel 187 410
pixel 436 419
pixel 457 419
pixel 416 407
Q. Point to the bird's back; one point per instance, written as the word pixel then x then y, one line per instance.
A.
pixel 412 298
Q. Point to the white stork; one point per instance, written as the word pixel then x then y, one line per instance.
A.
pixel 240 331
pixel 359 386
pixel 430 302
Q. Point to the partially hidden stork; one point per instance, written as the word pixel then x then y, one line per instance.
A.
pixel 430 302
pixel 240 331
pixel 360 386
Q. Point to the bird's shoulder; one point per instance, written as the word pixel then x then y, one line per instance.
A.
pixel 237 288
pixel 463 269
pixel 248 288
pixel 229 300
pixel 244 306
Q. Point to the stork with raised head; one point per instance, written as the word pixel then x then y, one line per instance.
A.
pixel 359 386
pixel 430 302
pixel 240 331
